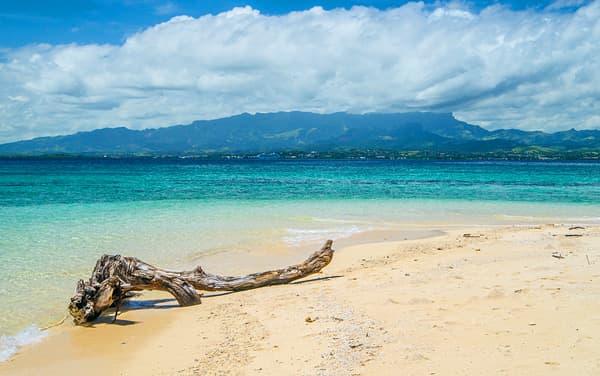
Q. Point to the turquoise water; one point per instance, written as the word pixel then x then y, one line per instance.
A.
pixel 100 180
pixel 58 216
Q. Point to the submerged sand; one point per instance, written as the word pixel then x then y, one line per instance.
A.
pixel 502 300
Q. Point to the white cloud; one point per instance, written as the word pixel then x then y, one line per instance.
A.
pixel 18 98
pixel 498 68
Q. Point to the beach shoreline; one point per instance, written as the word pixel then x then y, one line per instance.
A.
pixel 515 299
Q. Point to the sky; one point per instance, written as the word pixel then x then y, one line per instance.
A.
pixel 76 65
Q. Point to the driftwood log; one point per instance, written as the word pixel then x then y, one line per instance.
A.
pixel 114 277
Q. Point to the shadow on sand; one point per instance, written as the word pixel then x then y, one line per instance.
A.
pixel 133 305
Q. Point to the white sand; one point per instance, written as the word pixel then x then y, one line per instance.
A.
pixel 498 303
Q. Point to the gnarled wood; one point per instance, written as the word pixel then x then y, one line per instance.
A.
pixel 115 276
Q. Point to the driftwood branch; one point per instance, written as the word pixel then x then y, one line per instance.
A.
pixel 115 276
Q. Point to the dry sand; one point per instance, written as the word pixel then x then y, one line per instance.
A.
pixel 495 303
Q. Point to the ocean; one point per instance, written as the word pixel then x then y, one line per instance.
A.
pixel 57 216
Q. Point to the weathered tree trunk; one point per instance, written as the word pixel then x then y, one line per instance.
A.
pixel 115 276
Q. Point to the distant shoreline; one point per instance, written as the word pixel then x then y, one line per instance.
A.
pixel 591 157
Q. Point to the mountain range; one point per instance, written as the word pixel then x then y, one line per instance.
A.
pixel 305 131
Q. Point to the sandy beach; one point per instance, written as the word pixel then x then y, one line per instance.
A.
pixel 365 187
pixel 485 300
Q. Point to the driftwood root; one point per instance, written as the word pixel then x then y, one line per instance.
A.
pixel 114 277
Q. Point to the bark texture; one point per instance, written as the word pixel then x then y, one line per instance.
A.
pixel 115 276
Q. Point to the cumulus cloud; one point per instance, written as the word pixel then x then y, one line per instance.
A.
pixel 497 67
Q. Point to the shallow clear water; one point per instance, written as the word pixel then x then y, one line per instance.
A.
pixel 58 216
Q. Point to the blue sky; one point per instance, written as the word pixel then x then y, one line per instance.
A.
pixel 76 65
pixel 111 21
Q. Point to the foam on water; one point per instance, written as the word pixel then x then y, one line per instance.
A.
pixel 299 236
pixel 10 344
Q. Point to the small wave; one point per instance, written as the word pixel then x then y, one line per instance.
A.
pixel 343 221
pixel 298 236
pixel 10 344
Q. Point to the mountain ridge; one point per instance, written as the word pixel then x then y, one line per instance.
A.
pixel 306 131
